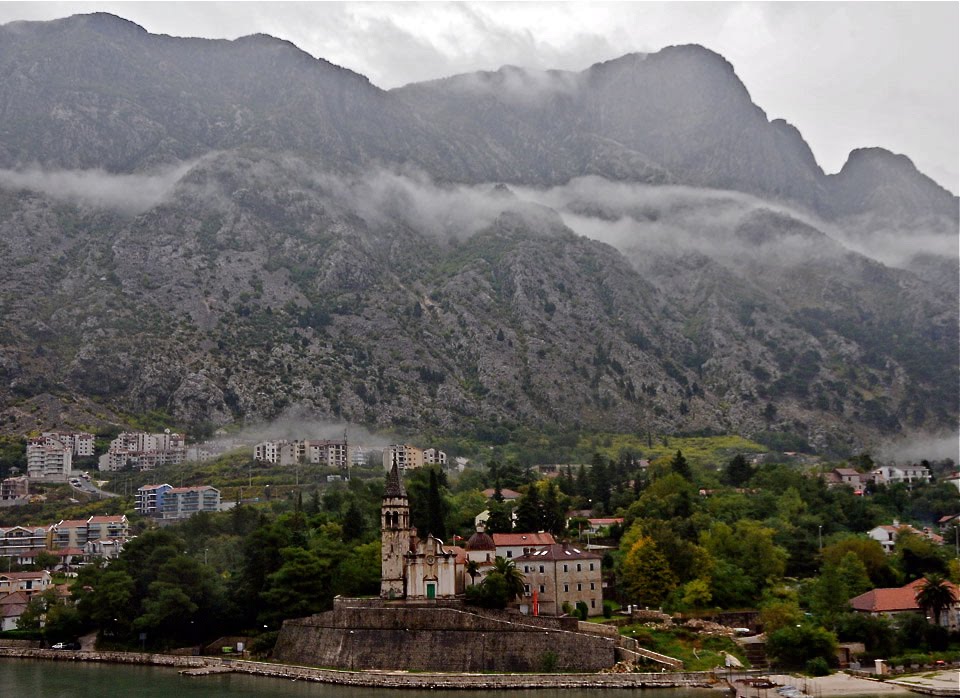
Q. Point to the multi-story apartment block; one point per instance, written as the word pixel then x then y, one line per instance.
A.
pixel 80 443
pixel 14 488
pixel 22 544
pixel 332 454
pixel 433 456
pixel 48 459
pixel 143 451
pixel 279 452
pixel 107 528
pixel 559 574
pixel 69 533
pixel 149 499
pixel 406 457
pixel 184 502
pixel 359 457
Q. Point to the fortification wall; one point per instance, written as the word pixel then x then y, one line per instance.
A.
pixel 394 636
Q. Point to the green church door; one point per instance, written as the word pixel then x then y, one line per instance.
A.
pixel 431 590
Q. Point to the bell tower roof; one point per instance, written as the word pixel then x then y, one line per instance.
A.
pixel 394 482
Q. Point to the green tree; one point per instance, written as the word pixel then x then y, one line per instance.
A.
pixel 554 508
pixel 301 587
pixel 738 472
pixel 646 573
pixel 437 508
pixel 500 519
pixel 680 466
pixel 354 522
pixel 792 646
pixel 530 510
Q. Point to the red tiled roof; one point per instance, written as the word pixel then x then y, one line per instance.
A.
pixel 605 522
pixel 892 600
pixel 107 519
pixel 72 523
pixel 24 575
pixel 886 601
pixel 505 539
pixel 507 494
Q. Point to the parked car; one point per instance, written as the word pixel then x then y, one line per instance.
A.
pixel 66 646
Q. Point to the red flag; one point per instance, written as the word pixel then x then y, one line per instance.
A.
pixel 536 603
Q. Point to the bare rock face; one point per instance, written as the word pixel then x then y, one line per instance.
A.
pixel 313 241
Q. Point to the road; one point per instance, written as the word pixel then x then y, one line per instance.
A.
pixel 87 487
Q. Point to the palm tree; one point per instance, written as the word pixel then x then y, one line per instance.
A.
pixel 935 594
pixel 473 569
pixel 511 575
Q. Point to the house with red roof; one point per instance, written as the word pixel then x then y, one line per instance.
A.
pixel 892 602
pixel 511 545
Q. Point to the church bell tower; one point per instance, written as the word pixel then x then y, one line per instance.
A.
pixel 395 535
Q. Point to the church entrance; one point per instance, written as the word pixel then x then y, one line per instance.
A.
pixel 431 590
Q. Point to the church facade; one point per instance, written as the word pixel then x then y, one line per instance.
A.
pixel 413 568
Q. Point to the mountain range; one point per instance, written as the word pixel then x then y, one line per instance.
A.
pixel 227 230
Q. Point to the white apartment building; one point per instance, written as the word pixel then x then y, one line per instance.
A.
pixel 143 451
pixel 433 456
pixel 80 443
pixel 48 459
pixel 184 502
pixel 407 457
pixel 889 474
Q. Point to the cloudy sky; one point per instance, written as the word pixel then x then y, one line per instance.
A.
pixel 847 75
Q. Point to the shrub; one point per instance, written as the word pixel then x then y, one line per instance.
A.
pixel 794 646
pixel 817 667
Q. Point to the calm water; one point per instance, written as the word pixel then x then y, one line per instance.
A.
pixel 25 678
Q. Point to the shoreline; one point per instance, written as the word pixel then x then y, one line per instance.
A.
pixel 198 666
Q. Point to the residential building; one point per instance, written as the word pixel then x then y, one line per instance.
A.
pixel 559 574
pixel 887 535
pixel 433 456
pixel 360 457
pixel 332 454
pixel 513 545
pixel 891 474
pixel 405 456
pixel 954 480
pixel 103 548
pixel 144 451
pixel 14 488
pixel 48 459
pixel 12 607
pixel 107 528
pixel 279 452
pixel 69 534
pixel 29 583
pixel 892 602
pixel 507 494
pixel 846 476
pixel 184 502
pixel 149 499
pixel 22 544
pixel 80 443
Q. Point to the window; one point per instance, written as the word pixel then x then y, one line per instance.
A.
pixel 566 587
pixel 591 567
pixel 509 553
pixel 526 569
pixel 543 588
pixel 541 569
pixel 564 567
pixel 579 567
pixel 593 603
pixel 579 587
pixel 526 589
pixel 592 586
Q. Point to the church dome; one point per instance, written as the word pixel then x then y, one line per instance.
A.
pixel 480 541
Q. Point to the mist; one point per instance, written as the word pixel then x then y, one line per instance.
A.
pixel 918 447
pixel 126 193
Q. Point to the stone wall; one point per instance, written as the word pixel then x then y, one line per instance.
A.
pixel 441 638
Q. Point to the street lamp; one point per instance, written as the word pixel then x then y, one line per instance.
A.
pixel 820 536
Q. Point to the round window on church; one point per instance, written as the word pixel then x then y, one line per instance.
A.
pixel 429 559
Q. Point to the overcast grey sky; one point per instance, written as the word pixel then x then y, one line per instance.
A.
pixel 847 74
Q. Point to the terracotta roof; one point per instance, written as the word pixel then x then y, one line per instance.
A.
pixel 892 600
pixel 505 539
pixel 886 601
pixel 507 493
pixel 605 522
pixel 24 575
pixel 13 605
pixel 461 553
pixel 846 471
pixel 72 523
pixel 107 519
pixel 560 551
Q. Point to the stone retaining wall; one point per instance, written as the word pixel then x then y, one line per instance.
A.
pixel 383 680
pixel 437 639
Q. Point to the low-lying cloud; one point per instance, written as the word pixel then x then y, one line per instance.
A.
pixel 127 193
